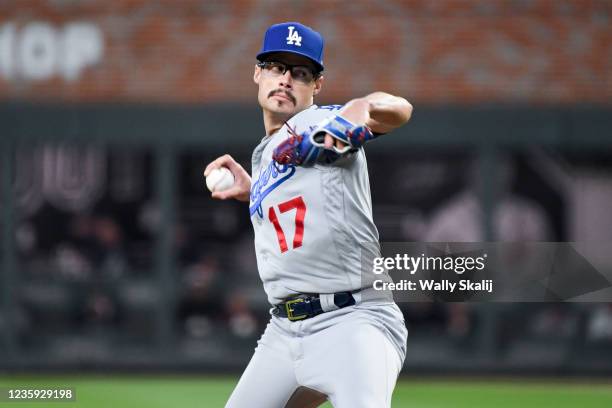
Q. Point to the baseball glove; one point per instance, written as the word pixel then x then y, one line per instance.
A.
pixel 308 148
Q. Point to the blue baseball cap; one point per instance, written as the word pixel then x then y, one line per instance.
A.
pixel 295 38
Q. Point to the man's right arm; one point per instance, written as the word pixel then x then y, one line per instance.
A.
pixel 241 189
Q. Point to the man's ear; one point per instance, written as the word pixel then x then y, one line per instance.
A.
pixel 318 85
pixel 256 74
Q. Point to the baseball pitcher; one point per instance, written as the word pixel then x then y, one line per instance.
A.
pixel 310 205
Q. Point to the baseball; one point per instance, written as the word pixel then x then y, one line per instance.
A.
pixel 219 179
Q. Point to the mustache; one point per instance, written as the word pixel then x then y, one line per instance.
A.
pixel 282 91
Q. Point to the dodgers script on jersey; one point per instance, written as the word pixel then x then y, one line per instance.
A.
pixel 309 222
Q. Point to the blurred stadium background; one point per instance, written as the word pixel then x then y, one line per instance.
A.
pixel 115 260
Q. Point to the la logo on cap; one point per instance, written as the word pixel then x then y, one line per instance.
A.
pixel 294 38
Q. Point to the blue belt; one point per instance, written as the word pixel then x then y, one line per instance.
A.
pixel 305 307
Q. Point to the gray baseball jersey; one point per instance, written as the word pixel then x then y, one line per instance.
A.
pixel 309 222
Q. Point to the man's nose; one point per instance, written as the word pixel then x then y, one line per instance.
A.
pixel 286 80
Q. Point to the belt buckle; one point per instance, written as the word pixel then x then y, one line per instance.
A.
pixel 289 309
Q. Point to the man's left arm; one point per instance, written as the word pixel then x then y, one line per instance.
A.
pixel 359 121
pixel 380 111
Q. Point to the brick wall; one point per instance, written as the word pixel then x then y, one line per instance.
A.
pixel 431 51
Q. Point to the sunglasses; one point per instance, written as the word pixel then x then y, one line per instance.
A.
pixel 299 73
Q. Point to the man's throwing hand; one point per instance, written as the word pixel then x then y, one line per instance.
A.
pixel 242 184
